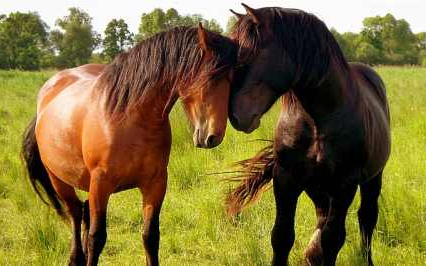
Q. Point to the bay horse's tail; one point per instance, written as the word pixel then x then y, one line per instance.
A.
pixel 255 175
pixel 37 173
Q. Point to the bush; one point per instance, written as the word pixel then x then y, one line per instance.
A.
pixel 424 62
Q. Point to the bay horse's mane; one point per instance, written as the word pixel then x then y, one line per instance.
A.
pixel 302 36
pixel 168 61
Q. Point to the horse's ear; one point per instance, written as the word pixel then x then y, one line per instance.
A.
pixel 203 38
pixel 251 12
pixel 238 15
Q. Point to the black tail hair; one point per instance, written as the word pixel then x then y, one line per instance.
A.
pixel 255 175
pixel 37 173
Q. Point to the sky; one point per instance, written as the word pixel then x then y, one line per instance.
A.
pixel 340 14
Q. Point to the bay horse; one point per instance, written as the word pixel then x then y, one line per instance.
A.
pixel 105 128
pixel 332 136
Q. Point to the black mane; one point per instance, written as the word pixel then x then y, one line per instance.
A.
pixel 302 36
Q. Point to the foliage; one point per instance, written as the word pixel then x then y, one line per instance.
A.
pixel 158 21
pixel 383 40
pixel 212 25
pixel 117 39
pixel 230 25
pixel 98 58
pixel 23 41
pixel 368 53
pixel 393 39
pixel 423 62
pixel 76 39
pixel 421 37
pixel 26 43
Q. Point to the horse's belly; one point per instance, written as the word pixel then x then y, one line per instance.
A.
pixel 378 145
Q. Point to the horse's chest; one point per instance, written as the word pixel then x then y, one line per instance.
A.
pixel 134 155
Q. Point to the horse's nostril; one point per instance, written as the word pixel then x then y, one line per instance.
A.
pixel 211 141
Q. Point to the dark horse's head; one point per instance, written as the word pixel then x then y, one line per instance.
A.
pixel 279 49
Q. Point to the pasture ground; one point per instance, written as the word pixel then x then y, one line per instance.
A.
pixel 194 228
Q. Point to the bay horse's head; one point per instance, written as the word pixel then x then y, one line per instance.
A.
pixel 206 100
pixel 279 49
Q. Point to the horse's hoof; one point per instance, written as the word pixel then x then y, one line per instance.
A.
pixel 78 260
pixel 313 252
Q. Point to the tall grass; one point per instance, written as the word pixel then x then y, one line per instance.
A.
pixel 194 228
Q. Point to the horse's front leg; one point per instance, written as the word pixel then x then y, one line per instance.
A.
pixel 286 190
pixel 153 195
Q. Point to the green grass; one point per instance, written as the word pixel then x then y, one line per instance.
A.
pixel 194 228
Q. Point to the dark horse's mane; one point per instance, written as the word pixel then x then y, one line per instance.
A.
pixel 169 60
pixel 302 36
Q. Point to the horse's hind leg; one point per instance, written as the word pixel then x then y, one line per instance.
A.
pixel 321 200
pixel 99 192
pixel 74 210
pixel 368 212
pixel 334 233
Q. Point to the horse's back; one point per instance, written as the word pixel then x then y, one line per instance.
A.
pixel 375 116
pixel 63 80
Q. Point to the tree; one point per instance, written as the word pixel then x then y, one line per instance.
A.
pixel 117 38
pixel 76 40
pixel 347 42
pixel 421 40
pixel 230 25
pixel 152 23
pixel 23 40
pixel 393 39
pixel 158 21
pixel 212 25
pixel 368 53
pixel 421 44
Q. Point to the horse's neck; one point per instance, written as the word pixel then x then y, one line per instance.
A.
pixel 327 98
pixel 156 106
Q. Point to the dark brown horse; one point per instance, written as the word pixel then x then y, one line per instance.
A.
pixel 105 128
pixel 332 136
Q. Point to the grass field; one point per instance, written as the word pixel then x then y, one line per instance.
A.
pixel 194 228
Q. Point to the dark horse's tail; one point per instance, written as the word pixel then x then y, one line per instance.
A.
pixel 36 170
pixel 255 174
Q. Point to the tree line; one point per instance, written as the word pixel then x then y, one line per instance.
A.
pixel 26 41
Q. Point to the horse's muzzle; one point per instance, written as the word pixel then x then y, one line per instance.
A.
pixel 203 141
